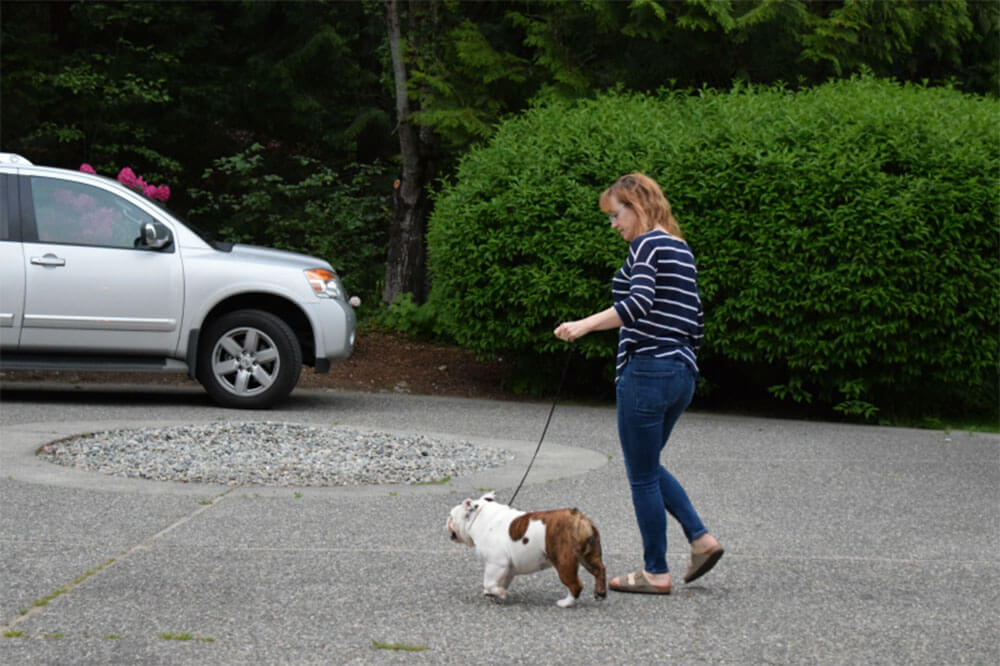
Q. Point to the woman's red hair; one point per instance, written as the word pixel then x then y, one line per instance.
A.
pixel 641 193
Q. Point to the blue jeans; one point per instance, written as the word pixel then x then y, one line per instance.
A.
pixel 652 393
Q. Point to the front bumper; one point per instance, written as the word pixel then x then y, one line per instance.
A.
pixel 334 325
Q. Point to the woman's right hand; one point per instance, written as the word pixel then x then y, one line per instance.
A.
pixel 571 330
pixel 599 321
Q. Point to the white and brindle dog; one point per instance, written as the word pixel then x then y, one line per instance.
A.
pixel 513 542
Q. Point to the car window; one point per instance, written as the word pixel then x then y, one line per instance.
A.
pixel 70 212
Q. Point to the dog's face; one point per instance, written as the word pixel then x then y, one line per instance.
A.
pixel 462 517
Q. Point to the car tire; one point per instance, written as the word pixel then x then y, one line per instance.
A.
pixel 249 359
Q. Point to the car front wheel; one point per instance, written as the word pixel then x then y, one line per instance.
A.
pixel 249 359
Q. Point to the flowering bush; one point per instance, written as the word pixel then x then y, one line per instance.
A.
pixel 128 178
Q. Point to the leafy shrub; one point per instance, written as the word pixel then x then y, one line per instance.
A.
pixel 408 317
pixel 340 217
pixel 846 236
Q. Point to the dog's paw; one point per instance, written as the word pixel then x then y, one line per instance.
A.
pixel 497 594
pixel 568 602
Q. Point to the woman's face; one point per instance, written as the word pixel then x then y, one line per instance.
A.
pixel 623 219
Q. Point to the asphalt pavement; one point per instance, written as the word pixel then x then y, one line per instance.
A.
pixel 845 544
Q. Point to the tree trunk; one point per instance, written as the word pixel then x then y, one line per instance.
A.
pixel 406 257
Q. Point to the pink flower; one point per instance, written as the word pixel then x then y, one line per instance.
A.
pixel 127 177
pixel 86 168
pixel 158 192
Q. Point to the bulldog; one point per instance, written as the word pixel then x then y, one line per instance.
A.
pixel 513 542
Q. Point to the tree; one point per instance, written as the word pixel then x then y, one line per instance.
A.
pixel 578 47
pixel 405 259
pixel 171 88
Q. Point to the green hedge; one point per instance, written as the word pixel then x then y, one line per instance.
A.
pixel 846 237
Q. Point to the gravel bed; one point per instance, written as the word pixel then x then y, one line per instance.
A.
pixel 272 454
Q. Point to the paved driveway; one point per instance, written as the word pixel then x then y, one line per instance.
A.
pixel 845 544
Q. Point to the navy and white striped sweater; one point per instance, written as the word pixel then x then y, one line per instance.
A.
pixel 656 295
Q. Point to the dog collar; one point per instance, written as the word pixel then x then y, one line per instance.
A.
pixel 478 510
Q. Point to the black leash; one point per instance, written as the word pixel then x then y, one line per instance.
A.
pixel 562 381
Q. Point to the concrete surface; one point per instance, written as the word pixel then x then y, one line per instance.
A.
pixel 845 544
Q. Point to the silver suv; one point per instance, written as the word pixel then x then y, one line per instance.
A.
pixel 95 276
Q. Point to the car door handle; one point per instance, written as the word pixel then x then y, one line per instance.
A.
pixel 48 260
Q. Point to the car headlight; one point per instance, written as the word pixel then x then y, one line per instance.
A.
pixel 324 283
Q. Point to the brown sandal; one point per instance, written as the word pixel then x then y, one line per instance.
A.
pixel 639 585
pixel 702 564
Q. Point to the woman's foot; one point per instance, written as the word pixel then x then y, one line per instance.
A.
pixel 704 544
pixel 643 582
pixel 705 553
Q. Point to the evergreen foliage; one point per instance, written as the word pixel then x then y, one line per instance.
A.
pixel 185 92
pixel 338 215
pixel 846 237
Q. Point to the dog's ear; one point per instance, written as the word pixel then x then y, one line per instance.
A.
pixel 470 507
pixel 489 497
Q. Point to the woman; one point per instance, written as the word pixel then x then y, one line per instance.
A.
pixel 658 313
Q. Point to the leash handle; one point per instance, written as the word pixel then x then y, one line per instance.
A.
pixel 562 381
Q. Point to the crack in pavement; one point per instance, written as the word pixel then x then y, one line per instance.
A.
pixel 39 605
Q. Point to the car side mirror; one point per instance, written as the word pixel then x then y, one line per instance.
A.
pixel 155 236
